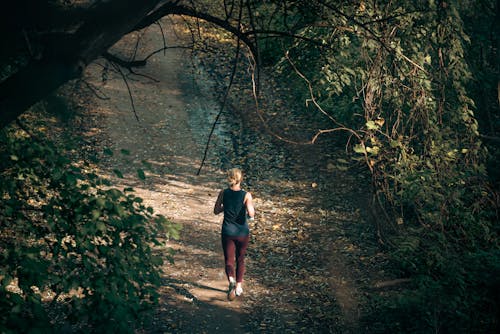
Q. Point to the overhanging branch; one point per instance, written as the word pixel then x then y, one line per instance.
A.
pixel 66 61
pixel 124 63
pixel 170 9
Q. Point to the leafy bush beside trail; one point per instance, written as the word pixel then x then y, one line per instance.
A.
pixel 75 253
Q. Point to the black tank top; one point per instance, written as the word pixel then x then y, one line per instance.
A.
pixel 235 221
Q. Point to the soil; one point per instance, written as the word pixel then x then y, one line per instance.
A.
pixel 313 251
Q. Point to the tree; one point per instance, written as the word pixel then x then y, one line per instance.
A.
pixel 53 41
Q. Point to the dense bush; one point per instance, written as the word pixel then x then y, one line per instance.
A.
pixel 406 82
pixel 75 253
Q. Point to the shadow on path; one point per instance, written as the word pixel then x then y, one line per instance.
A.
pixel 182 312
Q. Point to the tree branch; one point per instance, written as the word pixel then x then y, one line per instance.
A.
pixel 117 67
pixel 170 9
pixel 124 63
pixel 491 138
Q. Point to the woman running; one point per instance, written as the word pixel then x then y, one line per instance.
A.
pixel 238 207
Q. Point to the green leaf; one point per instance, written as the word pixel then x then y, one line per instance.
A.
pixel 108 151
pixel 359 149
pixel 124 151
pixel 101 226
pixel 8 211
pixel 118 173
pixel 371 125
pixel 120 211
pixel 100 202
pixel 140 174
pixel 156 260
pixel 173 230
pixel 96 214
pixel 394 143
pixel 372 150
pixel 114 193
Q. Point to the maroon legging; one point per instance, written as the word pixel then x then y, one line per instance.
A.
pixel 235 248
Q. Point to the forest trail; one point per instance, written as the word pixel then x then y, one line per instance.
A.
pixel 304 271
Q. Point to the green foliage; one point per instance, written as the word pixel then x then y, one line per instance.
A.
pixel 75 252
pixel 402 78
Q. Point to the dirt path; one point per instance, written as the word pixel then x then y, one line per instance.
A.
pixel 300 276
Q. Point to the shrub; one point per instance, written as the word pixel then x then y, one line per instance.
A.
pixel 74 251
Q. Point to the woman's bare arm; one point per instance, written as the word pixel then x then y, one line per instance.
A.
pixel 218 208
pixel 249 205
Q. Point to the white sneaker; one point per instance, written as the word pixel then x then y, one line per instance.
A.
pixel 231 293
pixel 239 291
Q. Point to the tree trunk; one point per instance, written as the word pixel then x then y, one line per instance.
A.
pixel 65 59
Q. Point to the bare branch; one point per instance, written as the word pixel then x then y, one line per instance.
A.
pixel 95 90
pixel 339 125
pixel 311 92
pixel 169 9
pixel 277 33
pixel 491 138
pixel 256 60
pixel 224 100
pixel 143 75
pixel 163 37
pixel 229 12
pixel 124 63
pixel 166 48
pixel 117 67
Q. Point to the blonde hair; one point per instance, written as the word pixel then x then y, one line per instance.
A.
pixel 234 176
